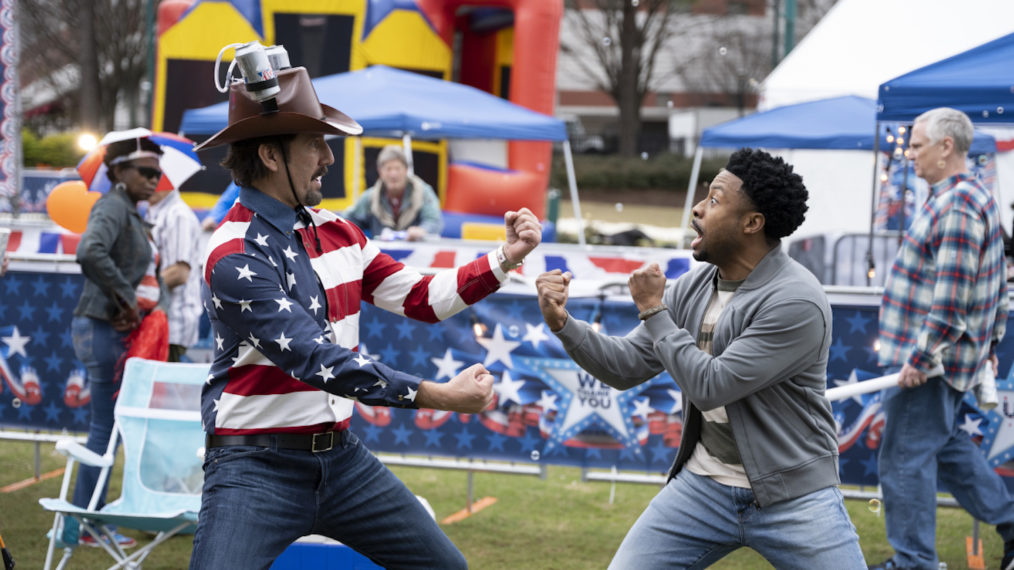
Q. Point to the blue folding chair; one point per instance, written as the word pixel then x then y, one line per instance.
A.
pixel 157 417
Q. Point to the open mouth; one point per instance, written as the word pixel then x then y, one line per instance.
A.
pixel 700 234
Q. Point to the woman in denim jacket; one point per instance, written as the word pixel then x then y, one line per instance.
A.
pixel 119 262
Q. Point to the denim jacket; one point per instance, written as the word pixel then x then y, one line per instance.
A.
pixel 114 254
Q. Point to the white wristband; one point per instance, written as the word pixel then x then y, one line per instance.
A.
pixel 505 264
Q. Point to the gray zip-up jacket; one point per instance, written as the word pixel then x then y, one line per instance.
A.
pixel 768 369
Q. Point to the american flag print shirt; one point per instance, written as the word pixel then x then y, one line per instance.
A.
pixel 285 317
pixel 945 301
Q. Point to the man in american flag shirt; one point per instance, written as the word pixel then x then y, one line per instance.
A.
pixel 282 286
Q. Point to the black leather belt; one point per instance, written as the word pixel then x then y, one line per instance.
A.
pixel 315 442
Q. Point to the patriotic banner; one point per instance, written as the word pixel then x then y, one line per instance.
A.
pixel 546 409
pixel 10 112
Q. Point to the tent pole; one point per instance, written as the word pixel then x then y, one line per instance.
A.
pixel 357 153
pixel 568 159
pixel 695 173
pixel 871 266
pixel 406 143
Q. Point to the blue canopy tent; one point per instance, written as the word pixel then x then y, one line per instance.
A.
pixel 979 82
pixel 837 123
pixel 389 102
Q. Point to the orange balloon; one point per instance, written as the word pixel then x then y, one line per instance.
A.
pixel 69 204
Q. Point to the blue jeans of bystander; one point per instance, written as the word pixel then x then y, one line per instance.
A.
pixel 98 346
pixel 695 521
pixel 922 442
pixel 258 500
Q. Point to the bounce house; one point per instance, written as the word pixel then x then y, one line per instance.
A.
pixel 504 47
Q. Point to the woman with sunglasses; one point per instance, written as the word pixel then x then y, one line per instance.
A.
pixel 119 262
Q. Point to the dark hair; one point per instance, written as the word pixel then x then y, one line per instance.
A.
pixel 775 190
pixel 244 162
pixel 117 149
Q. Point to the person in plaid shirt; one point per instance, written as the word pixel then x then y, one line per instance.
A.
pixel 944 311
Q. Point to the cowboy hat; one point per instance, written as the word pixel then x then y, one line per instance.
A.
pixel 299 111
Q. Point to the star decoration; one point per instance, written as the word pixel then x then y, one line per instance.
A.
pixel 209 379
pixel 16 342
pixel 446 366
pixel 216 301
pixel 498 349
pixel 283 342
pixel 291 280
pixel 314 304
pixel 325 373
pixel 219 342
pixel 547 401
pixel 256 342
pixel 381 382
pixel 535 335
pixel 507 390
pixel 261 240
pixel 244 305
pixel 970 426
pixel 361 360
pixel 642 407
pixel 677 398
pixel 319 339
pixel 852 379
pixel 289 253
pixel 411 394
pixel 272 261
pixel 245 273
pixel 284 304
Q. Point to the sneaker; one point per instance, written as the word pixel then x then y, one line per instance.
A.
pixel 124 541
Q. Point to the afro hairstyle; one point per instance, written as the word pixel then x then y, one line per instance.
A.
pixel 775 190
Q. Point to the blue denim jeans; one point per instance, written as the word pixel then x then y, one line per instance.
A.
pixel 695 521
pixel 921 444
pixel 99 347
pixel 258 500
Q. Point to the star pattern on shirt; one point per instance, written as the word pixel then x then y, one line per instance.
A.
pixel 216 301
pixel 219 342
pixel 284 304
pixel 289 253
pixel 256 342
pixel 411 394
pixel 361 360
pixel 319 339
pixel 261 240
pixel 244 305
pixel 245 273
pixel 291 279
pixel 325 373
pixel 314 304
pixel 283 342
pixel 381 382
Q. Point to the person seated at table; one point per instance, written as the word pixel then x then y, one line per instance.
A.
pixel 400 205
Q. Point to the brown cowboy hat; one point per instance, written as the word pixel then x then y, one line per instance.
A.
pixel 299 111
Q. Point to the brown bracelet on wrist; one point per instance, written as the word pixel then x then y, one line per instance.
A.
pixel 648 313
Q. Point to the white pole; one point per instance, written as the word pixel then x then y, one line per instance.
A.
pixel 864 387
pixel 406 143
pixel 568 159
pixel 695 173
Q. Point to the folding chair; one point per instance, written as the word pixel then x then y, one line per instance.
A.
pixel 157 416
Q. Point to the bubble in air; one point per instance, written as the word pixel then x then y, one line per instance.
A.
pixel 607 41
pixel 536 455
pixel 513 331
pixel 723 50
pixel 16 403
pixel 999 110
pixel 874 506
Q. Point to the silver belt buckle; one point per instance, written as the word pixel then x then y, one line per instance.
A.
pixel 314 448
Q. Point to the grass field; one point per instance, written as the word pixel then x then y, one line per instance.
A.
pixel 558 522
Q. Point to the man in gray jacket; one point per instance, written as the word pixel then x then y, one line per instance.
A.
pixel 746 337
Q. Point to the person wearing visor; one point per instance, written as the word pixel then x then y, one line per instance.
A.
pixel 119 261
pixel 282 286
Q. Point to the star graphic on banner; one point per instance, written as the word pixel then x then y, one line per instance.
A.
pixel 433 437
pixel 870 465
pixel 16 342
pixel 289 253
pixel 857 322
pixel 402 435
pixel 81 416
pixel 535 334
pixel 69 288
pixel 12 284
pixel 314 304
pixel 547 401
pixel 998 437
pixel 245 273
pixel 496 441
pixel 53 362
pixel 436 333
pixel 852 379
pixel 52 412
pixel 372 433
pixel 376 328
pixel 498 349
pixel 41 286
pixel 659 451
pixel 677 401
pixel 405 328
pixel 55 313
pixel 530 442
pixel 390 353
pixel 642 407
pixel 25 412
pixel 41 337
pixel 419 356
pixel 970 426
pixel 839 350
pixel 585 401
pixel 446 366
pixel 593 453
pixel 261 239
pixel 27 311
pixel 464 438
pixel 507 389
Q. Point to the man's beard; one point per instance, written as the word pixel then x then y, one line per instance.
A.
pixel 313 198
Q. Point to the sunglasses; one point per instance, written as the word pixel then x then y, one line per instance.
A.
pixel 149 172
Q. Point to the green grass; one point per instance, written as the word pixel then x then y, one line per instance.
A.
pixel 558 522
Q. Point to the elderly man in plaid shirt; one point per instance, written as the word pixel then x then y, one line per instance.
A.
pixel 944 311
